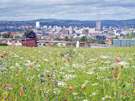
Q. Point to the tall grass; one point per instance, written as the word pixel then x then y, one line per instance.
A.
pixel 67 74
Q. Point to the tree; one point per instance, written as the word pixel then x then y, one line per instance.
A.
pixel 91 40
pixel 66 38
pixel 114 38
pixel 17 36
pixel 83 39
pixel 101 42
pixel 5 35
pixel 57 39
pixel 11 36
pixel 29 34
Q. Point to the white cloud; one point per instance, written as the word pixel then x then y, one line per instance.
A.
pixel 66 9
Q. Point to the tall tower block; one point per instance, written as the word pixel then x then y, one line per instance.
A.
pixel 98 26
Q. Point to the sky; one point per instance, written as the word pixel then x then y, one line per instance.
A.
pixel 24 10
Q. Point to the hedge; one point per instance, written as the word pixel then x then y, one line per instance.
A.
pixel 3 44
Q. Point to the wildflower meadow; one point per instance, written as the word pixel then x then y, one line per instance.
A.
pixel 67 74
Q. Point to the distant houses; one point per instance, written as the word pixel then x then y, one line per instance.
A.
pixel 19 42
pixel 32 42
pixel 43 43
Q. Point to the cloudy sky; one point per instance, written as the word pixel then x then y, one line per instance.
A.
pixel 17 10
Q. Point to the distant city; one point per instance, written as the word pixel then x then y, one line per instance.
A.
pixel 50 33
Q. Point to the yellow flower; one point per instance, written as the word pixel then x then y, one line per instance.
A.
pixel 134 90
pixel 40 89
pixel 3 99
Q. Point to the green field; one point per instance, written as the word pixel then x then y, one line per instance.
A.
pixel 67 74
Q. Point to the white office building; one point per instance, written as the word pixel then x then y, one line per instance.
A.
pixel 37 24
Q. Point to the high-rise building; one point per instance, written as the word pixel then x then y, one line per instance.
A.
pixel 70 30
pixel 98 25
pixel 37 24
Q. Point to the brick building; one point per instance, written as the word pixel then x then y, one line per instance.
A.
pixel 19 42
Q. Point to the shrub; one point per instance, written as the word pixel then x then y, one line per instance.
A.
pixel 3 44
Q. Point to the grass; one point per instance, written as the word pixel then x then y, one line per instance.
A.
pixel 45 74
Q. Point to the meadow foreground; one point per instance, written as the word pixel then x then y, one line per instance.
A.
pixel 67 74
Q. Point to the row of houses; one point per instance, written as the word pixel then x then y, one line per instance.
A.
pixel 19 42
pixel 43 43
pixel 32 42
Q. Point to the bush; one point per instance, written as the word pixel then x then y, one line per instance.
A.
pixel 3 44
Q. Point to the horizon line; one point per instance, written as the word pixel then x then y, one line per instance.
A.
pixel 67 19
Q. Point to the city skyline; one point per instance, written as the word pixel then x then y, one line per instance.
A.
pixel 14 10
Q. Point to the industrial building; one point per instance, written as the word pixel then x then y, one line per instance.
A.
pixel 123 42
